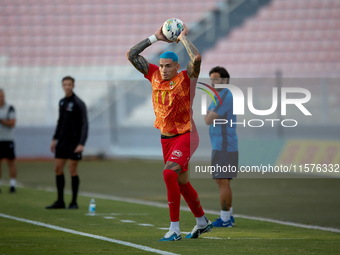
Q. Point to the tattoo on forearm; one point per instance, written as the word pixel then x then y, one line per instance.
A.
pixel 138 61
pixel 194 69
pixel 191 49
pixel 193 66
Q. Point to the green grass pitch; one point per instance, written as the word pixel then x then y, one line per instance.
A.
pixel 129 179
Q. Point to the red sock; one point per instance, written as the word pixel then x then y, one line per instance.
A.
pixel 174 194
pixel 191 197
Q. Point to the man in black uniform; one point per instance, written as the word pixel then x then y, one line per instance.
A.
pixel 68 141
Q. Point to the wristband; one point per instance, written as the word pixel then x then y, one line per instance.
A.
pixel 153 39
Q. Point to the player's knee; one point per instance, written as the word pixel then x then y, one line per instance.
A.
pixel 182 179
pixel 73 169
pixel 73 172
pixel 169 175
pixel 58 170
pixel 223 182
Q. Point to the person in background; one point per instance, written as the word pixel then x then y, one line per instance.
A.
pixel 224 143
pixel 68 141
pixel 7 124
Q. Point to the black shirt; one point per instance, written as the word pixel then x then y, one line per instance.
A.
pixel 72 123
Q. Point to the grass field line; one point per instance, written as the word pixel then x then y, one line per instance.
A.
pixel 184 208
pixel 103 238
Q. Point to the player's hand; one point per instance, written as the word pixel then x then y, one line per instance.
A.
pixel 160 36
pixel 52 147
pixel 79 148
pixel 183 33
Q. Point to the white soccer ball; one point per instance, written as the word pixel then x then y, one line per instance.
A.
pixel 172 28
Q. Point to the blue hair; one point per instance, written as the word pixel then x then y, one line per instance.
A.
pixel 170 55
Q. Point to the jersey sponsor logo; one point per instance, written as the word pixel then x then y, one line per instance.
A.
pixel 70 107
pixel 61 103
pixel 177 153
pixel 163 97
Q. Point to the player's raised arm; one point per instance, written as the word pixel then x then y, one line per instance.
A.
pixel 194 65
pixel 138 61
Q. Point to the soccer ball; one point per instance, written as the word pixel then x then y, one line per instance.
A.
pixel 172 28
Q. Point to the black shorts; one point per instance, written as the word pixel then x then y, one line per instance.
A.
pixel 7 150
pixel 65 149
pixel 225 163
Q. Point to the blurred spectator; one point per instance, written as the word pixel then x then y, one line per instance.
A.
pixel 7 123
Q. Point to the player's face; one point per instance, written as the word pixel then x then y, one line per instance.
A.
pixel 2 98
pixel 68 87
pixel 168 68
pixel 215 78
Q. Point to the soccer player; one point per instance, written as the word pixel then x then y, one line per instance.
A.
pixel 172 104
pixel 68 141
pixel 7 123
pixel 224 143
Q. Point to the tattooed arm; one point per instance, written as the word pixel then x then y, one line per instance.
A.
pixel 138 61
pixel 194 65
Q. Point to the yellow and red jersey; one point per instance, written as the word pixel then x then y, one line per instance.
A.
pixel 171 101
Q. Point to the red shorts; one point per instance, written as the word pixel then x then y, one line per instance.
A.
pixel 179 149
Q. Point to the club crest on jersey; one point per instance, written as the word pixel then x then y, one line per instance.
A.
pixel 172 84
pixel 177 153
pixel 70 107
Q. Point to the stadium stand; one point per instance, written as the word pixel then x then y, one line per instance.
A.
pixel 42 41
pixel 298 38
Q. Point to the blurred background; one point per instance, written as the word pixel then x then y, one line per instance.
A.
pixel 291 43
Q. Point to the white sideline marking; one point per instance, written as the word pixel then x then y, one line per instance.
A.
pixel 134 214
pixel 162 205
pixel 288 223
pixel 116 214
pixel 109 217
pixel 103 238
pixel 128 221
pixel 145 224
pixel 277 238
